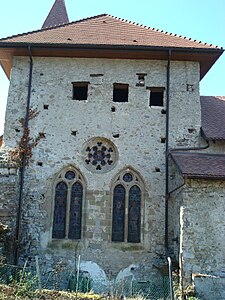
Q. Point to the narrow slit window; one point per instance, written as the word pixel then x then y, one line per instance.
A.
pixel 120 92
pixel 80 90
pixel 156 96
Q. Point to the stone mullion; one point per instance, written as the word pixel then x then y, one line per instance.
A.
pixel 68 210
pixel 126 214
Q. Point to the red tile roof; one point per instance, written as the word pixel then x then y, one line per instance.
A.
pixel 213 117
pixel 57 15
pixel 106 30
pixel 200 165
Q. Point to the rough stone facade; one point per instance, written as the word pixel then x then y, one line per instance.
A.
pixel 9 186
pixel 202 228
pixel 140 146
pixel 137 131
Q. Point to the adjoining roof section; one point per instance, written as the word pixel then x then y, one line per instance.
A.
pixel 213 117
pixel 109 37
pixel 200 165
pixel 57 15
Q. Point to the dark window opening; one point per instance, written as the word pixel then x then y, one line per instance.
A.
pixel 96 75
pixel 59 222
pixel 118 223
pixel 126 218
pixel 80 90
pixel 120 92
pixel 75 211
pixel 163 139
pixel 134 215
pixel 141 79
pixel 74 132
pixel 67 220
pixel 156 96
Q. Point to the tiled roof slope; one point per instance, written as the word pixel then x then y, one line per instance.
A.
pixel 57 15
pixel 213 117
pixel 200 165
pixel 106 30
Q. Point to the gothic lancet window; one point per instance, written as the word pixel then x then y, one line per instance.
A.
pixel 68 200
pixel 127 201
pixel 60 210
pixel 119 194
pixel 134 214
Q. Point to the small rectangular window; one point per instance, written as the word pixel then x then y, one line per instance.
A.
pixel 120 92
pixel 156 96
pixel 80 90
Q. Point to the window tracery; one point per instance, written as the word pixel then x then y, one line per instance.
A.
pixel 127 198
pixel 68 201
pixel 100 155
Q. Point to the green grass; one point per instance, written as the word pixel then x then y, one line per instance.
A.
pixel 12 292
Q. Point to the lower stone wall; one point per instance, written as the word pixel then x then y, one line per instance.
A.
pixel 8 200
pixel 176 184
pixel 202 229
pixel 209 287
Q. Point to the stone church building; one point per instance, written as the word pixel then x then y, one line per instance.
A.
pixel 109 151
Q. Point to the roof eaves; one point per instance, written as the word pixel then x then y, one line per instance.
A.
pixel 203 176
pixel 211 138
pixel 111 46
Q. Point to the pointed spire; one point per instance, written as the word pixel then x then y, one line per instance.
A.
pixel 57 15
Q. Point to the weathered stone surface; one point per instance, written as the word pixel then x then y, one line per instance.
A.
pixel 137 131
pixel 209 287
pixel 202 228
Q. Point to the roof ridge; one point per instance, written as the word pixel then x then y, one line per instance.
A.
pixel 53 27
pixel 164 32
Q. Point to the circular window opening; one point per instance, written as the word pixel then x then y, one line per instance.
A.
pixel 100 155
pixel 70 175
pixel 127 177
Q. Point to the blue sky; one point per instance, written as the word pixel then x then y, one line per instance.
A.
pixel 203 20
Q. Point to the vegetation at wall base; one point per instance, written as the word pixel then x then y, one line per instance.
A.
pixel 14 291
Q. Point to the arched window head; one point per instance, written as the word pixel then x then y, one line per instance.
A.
pixel 127 198
pixel 68 201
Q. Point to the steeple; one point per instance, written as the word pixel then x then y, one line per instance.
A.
pixel 57 15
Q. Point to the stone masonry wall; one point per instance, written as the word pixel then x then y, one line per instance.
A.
pixel 176 184
pixel 8 199
pixel 136 130
pixel 202 229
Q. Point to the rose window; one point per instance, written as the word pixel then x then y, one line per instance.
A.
pixel 100 155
